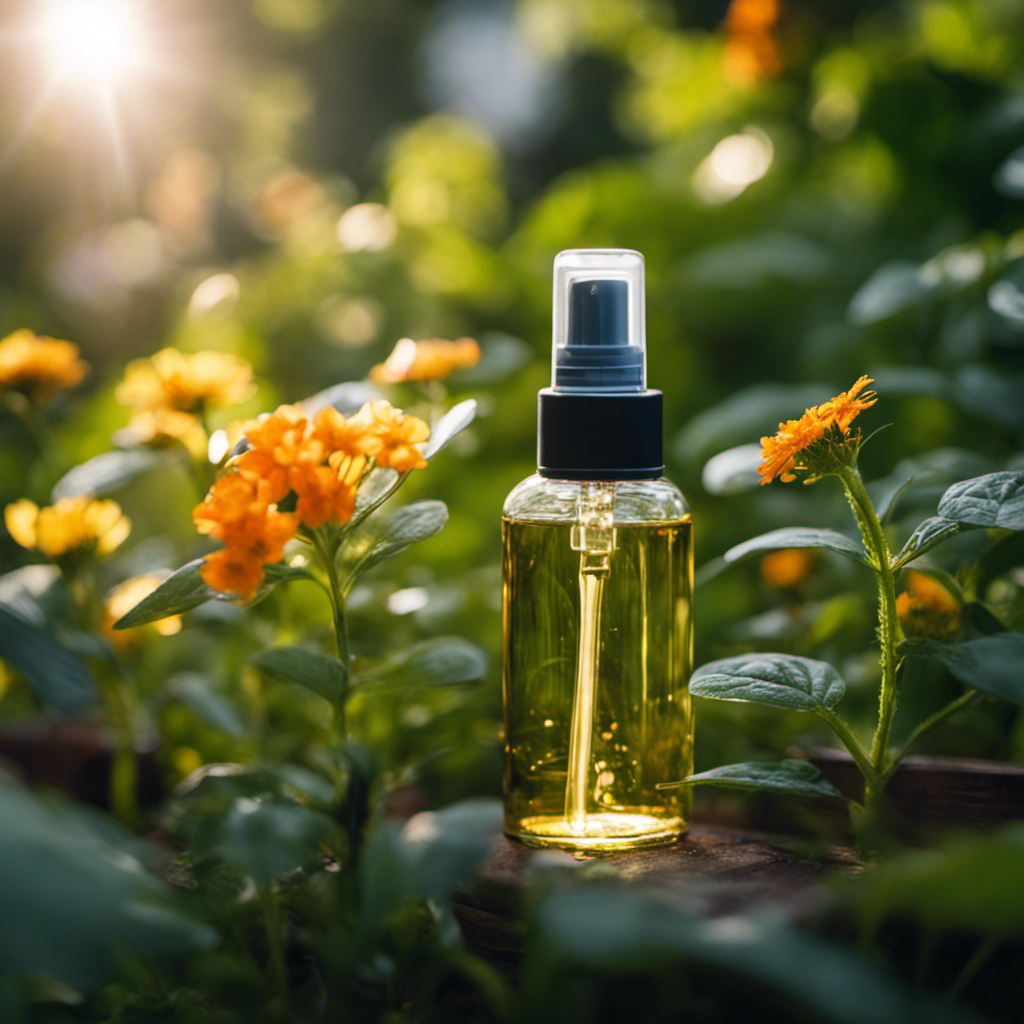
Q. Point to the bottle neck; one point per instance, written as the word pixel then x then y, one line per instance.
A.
pixel 599 437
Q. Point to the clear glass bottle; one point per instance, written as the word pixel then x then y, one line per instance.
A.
pixel 598 584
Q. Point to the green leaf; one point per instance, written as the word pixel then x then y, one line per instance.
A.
pixel 929 533
pixel 743 416
pixel 777 680
pixel 266 838
pixel 994 664
pixel 374 489
pixel 451 423
pixel 994 501
pixel 890 290
pixel 380 537
pixel 109 471
pixel 799 537
pixel 76 899
pixel 442 661
pixel 971 884
pixel 182 591
pixel 790 778
pixel 57 676
pixel 324 675
pixel 197 692
pixel 615 929
pixel 278 572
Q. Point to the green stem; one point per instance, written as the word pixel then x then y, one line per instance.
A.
pixel 888 624
pixel 926 726
pixel 275 942
pixel 337 596
pixel 850 741
pixel 971 968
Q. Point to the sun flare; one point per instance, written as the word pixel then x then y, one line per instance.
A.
pixel 93 41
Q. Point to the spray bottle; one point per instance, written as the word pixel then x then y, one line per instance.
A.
pixel 598 585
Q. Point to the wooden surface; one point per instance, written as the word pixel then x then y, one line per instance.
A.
pixel 714 871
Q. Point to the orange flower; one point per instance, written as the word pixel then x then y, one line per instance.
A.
pixel 39 366
pixel 394 436
pixel 751 51
pixel 232 570
pixel 122 599
pixel 778 453
pixel 786 568
pixel 341 436
pixel 432 359
pixel 926 608
pixel 73 524
pixel 160 426
pixel 177 380
pixel 842 409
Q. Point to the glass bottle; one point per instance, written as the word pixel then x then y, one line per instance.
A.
pixel 598 584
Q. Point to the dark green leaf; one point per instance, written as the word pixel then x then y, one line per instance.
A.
pixel 451 423
pixel 318 672
pixel 604 928
pixel 995 501
pixel 197 692
pixel 799 537
pixel 972 884
pixel 443 661
pixel 266 838
pixel 778 680
pixel 182 591
pixel 931 532
pixel 58 677
pixel 109 471
pixel 992 394
pixel 380 537
pixel 278 572
pixel 745 415
pixel 887 505
pixel 892 289
pixel 790 778
pixel 994 664
pixel 76 899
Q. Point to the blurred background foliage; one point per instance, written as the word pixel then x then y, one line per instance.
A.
pixel 819 191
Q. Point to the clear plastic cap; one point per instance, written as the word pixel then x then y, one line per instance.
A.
pixel 599 335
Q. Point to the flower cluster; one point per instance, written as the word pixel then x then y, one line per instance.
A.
pixel 73 525
pixel 433 359
pixel 926 608
pixel 830 420
pixel 170 391
pixel 321 461
pixel 39 366
pixel 751 50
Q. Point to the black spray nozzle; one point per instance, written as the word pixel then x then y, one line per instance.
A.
pixel 597 354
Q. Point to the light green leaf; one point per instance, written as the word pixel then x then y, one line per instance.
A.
pixel 994 501
pixel 799 537
pixel 324 675
pixel 451 423
pixel 109 471
pixel 380 537
pixel 777 680
pixel 931 532
pixel 442 661
pixel 994 664
pixel 278 572
pixel 790 778
pixel 375 489
pixel 182 591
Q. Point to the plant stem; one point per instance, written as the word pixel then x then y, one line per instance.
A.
pixel 888 627
pixel 326 550
pixel 926 726
pixel 275 944
pixel 852 744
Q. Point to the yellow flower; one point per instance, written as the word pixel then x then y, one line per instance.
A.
pixel 926 608
pixel 182 381
pixel 786 568
pixel 122 599
pixel 161 426
pixel 778 453
pixel 40 366
pixel 432 359
pixel 74 524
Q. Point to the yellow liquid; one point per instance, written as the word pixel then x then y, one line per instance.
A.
pixel 642 727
